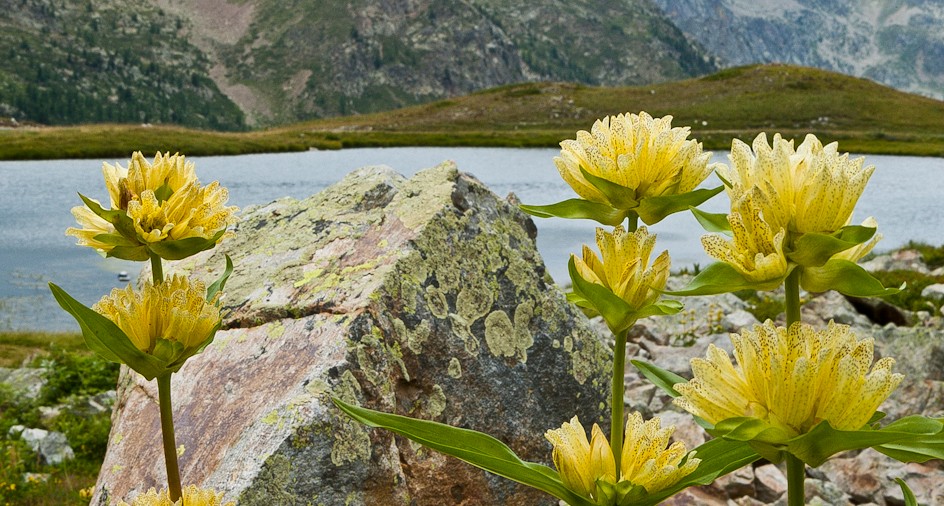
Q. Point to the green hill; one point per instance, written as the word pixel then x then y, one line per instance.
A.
pixel 741 102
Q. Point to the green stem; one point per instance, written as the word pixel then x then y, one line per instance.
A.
pixel 796 473
pixel 616 402
pixel 167 433
pixel 157 270
pixel 632 222
pixel 791 287
pixel 796 469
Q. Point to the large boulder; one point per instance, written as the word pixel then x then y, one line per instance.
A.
pixel 424 297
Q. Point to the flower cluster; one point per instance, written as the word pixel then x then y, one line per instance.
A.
pixel 793 379
pixel 192 496
pixel 589 468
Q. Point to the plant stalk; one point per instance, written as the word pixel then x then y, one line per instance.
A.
pixel 157 270
pixel 796 469
pixel 616 401
pixel 167 433
pixel 796 474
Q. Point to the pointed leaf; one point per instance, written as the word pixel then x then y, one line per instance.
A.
pixel 845 277
pixel 666 380
pixel 619 196
pixel 712 222
pixel 578 209
pixel 163 193
pixel 133 253
pixel 218 285
pixel 183 248
pixel 118 218
pixel 476 448
pixel 815 249
pixel 105 338
pixel 615 311
pixel 720 277
pixel 660 308
pixel 653 209
pixel 910 499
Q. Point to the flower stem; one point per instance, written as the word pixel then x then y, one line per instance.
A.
pixel 796 473
pixel 616 402
pixel 157 270
pixel 167 432
pixel 796 469
pixel 791 287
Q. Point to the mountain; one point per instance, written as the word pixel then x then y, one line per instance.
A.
pixel 899 43
pixel 289 60
pixel 66 61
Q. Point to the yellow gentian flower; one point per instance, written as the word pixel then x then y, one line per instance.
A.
pixel 192 496
pixel 793 379
pixel 170 321
pixel 637 152
pixel 163 202
pixel 624 267
pixel 585 466
pixel 755 249
pixel 812 188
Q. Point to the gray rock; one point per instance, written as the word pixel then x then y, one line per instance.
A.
pixel 770 483
pixel 52 447
pixel 423 297
pixel 25 381
pixel 900 260
pixel 935 291
pixel 738 319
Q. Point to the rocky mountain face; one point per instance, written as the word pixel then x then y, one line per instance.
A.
pixel 288 61
pixel 117 61
pixel 895 42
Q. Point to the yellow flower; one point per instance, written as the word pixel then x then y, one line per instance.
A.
pixel 163 201
pixel 756 249
pixel 192 496
pixel 581 462
pixel 170 320
pixel 637 152
pixel 624 267
pixel 791 379
pixel 646 462
pixel 813 188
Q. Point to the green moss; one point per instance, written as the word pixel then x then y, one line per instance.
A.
pixel 455 368
pixel 351 441
pixel 504 339
pixel 273 485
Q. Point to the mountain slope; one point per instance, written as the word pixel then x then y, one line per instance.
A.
pixel 896 42
pixel 290 60
pixel 66 62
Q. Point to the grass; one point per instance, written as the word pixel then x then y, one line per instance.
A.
pixel 19 348
pixel 863 116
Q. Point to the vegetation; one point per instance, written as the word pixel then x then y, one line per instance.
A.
pixel 736 103
pixel 72 374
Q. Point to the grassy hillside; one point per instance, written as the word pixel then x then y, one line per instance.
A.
pixel 865 117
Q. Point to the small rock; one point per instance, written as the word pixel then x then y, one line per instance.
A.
pixel 737 484
pixel 25 381
pixel 737 320
pixel 935 291
pixel 770 483
pixel 824 493
pixel 52 447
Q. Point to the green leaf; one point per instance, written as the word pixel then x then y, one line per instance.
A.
pixel 659 308
pixel 845 277
pixel 217 285
pixel 105 338
pixel 823 441
pixel 118 218
pixel 619 196
pixel 163 193
pixel 578 209
pixel 815 249
pixel 618 315
pixel 476 448
pixel 133 253
pixel 653 209
pixel 720 277
pixel 666 380
pixel 910 499
pixel 183 248
pixel 712 222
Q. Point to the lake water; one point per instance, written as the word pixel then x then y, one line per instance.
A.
pixel 904 195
